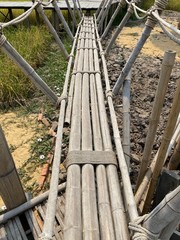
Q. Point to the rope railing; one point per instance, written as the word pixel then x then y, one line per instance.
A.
pixel 20 18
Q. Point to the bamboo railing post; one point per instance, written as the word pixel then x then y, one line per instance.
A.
pixel 166 69
pixel 119 6
pixel 126 118
pixel 71 13
pixel 99 8
pixel 119 29
pixel 61 17
pixel 175 158
pixel 150 23
pixel 11 189
pixel 102 10
pixel 52 30
pixel 174 113
pixel 76 8
pixel 27 69
pixel 105 13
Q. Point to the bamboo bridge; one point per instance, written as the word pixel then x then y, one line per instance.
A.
pixel 97 201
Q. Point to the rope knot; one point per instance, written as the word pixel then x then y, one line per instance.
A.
pixel 139 232
pixel 2 40
pixel 109 93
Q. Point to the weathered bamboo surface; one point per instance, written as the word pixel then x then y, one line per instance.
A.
pixel 29 224
pixel 94 207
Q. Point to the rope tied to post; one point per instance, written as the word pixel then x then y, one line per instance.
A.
pixel 62 97
pixel 141 233
pixel 2 39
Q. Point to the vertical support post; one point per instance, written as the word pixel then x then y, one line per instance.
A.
pixel 10 186
pixel 167 65
pixel 10 14
pixel 27 23
pixel 168 133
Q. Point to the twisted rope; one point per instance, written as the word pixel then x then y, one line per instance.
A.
pixel 2 40
pixel 20 18
pixel 141 233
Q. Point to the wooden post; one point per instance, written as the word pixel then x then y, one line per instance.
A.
pixel 167 65
pixel 10 186
pixel 175 159
pixel 174 113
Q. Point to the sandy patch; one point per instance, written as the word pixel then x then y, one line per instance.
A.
pixel 155 46
pixel 19 131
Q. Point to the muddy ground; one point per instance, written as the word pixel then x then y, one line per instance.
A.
pixel 145 77
pixel 19 130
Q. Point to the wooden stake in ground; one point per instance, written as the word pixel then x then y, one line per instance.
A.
pixel 167 65
pixel 175 159
pixel 164 145
pixel 10 186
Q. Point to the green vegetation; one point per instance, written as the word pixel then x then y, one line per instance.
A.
pixel 173 4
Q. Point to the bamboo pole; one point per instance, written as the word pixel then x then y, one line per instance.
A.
pixel 112 19
pixel 175 159
pixel 28 205
pixel 119 29
pixel 126 118
pixel 61 18
pixel 53 31
pixel 164 214
pixel 121 231
pixel 128 193
pixel 99 8
pixel 76 8
pixel 89 205
pixel 8 49
pixel 11 189
pixel 71 13
pixel 105 13
pixel 102 10
pixel 166 69
pixel 149 25
pixel 51 206
pixel 175 109
pixel 73 219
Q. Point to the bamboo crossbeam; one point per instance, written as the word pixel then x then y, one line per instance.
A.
pixel 166 69
pixel 27 205
pixel 174 113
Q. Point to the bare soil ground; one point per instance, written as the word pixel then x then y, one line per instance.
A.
pixel 145 76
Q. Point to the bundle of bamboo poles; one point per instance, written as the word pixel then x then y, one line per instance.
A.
pixel 94 206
